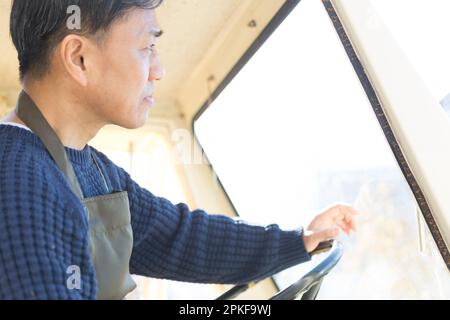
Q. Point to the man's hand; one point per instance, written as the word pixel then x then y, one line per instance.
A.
pixel 328 225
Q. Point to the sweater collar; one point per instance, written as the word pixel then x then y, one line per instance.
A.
pixel 82 157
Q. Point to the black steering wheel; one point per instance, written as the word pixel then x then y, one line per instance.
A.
pixel 308 285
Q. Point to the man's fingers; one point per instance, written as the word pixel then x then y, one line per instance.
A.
pixel 354 211
pixel 345 222
pixel 350 222
pixel 344 211
pixel 326 234
pixel 348 208
pixel 353 225
pixel 344 227
pixel 340 215
pixel 312 240
pixel 349 217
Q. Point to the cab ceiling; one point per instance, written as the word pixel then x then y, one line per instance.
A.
pixel 190 27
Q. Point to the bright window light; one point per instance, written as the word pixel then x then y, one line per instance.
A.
pixel 294 132
pixel 422 30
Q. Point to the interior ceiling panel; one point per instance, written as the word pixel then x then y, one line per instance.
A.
pixel 190 27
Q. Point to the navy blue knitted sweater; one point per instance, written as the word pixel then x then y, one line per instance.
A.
pixel 44 230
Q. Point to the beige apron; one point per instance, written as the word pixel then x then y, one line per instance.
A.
pixel 110 233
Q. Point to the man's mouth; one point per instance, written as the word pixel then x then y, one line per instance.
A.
pixel 150 100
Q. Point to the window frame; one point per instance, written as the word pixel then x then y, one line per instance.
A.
pixel 388 131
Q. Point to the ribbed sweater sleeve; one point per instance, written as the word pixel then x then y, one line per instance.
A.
pixel 173 242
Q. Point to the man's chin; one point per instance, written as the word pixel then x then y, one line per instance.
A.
pixel 133 124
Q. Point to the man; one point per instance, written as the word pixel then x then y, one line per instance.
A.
pixel 73 225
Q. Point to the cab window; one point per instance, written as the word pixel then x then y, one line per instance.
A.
pixel 293 132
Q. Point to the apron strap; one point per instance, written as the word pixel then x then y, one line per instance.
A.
pixel 30 114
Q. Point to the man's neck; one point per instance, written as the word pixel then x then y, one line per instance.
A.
pixel 74 126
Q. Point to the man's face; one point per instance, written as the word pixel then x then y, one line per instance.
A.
pixel 123 71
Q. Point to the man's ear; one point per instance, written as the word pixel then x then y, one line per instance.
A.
pixel 72 52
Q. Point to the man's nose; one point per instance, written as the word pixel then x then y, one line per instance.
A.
pixel 157 71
